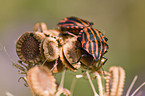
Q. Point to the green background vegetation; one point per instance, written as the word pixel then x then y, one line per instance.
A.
pixel 122 21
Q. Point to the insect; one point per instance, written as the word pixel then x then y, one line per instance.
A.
pixel 94 43
pixel 73 24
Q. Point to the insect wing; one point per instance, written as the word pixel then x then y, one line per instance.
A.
pixel 94 43
pixel 73 22
pixel 102 35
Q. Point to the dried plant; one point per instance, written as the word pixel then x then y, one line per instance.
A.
pixel 43 52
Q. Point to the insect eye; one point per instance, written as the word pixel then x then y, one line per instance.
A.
pixel 28 47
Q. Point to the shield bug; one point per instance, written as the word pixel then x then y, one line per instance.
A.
pixel 73 24
pixel 93 43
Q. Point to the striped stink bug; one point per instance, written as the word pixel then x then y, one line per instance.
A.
pixel 73 24
pixel 94 43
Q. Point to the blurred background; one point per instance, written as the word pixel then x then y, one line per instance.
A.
pixel 122 21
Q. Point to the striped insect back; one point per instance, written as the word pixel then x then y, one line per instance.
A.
pixel 94 42
pixel 73 24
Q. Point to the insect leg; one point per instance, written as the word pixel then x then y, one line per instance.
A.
pixel 91 64
pixel 55 65
pixel 80 58
pixel 24 78
pixel 104 61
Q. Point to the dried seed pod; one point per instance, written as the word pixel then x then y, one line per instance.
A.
pixel 28 47
pixel 65 62
pixel 54 33
pixel 49 49
pixel 69 54
pixel 40 27
pixel 41 81
pixel 115 85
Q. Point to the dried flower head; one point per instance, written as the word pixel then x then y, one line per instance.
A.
pixel 69 54
pixel 49 48
pixel 115 83
pixel 28 47
pixel 41 81
pixel 55 33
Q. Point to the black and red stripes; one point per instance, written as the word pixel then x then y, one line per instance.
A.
pixel 73 24
pixel 93 42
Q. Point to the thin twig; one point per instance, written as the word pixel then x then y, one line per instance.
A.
pixel 99 83
pixel 9 94
pixel 4 49
pixel 138 89
pixel 60 88
pixel 95 93
pixel 131 86
pixel 73 86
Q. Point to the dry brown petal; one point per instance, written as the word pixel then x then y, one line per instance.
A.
pixel 41 81
pixel 40 27
pixel 28 47
pixel 115 85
